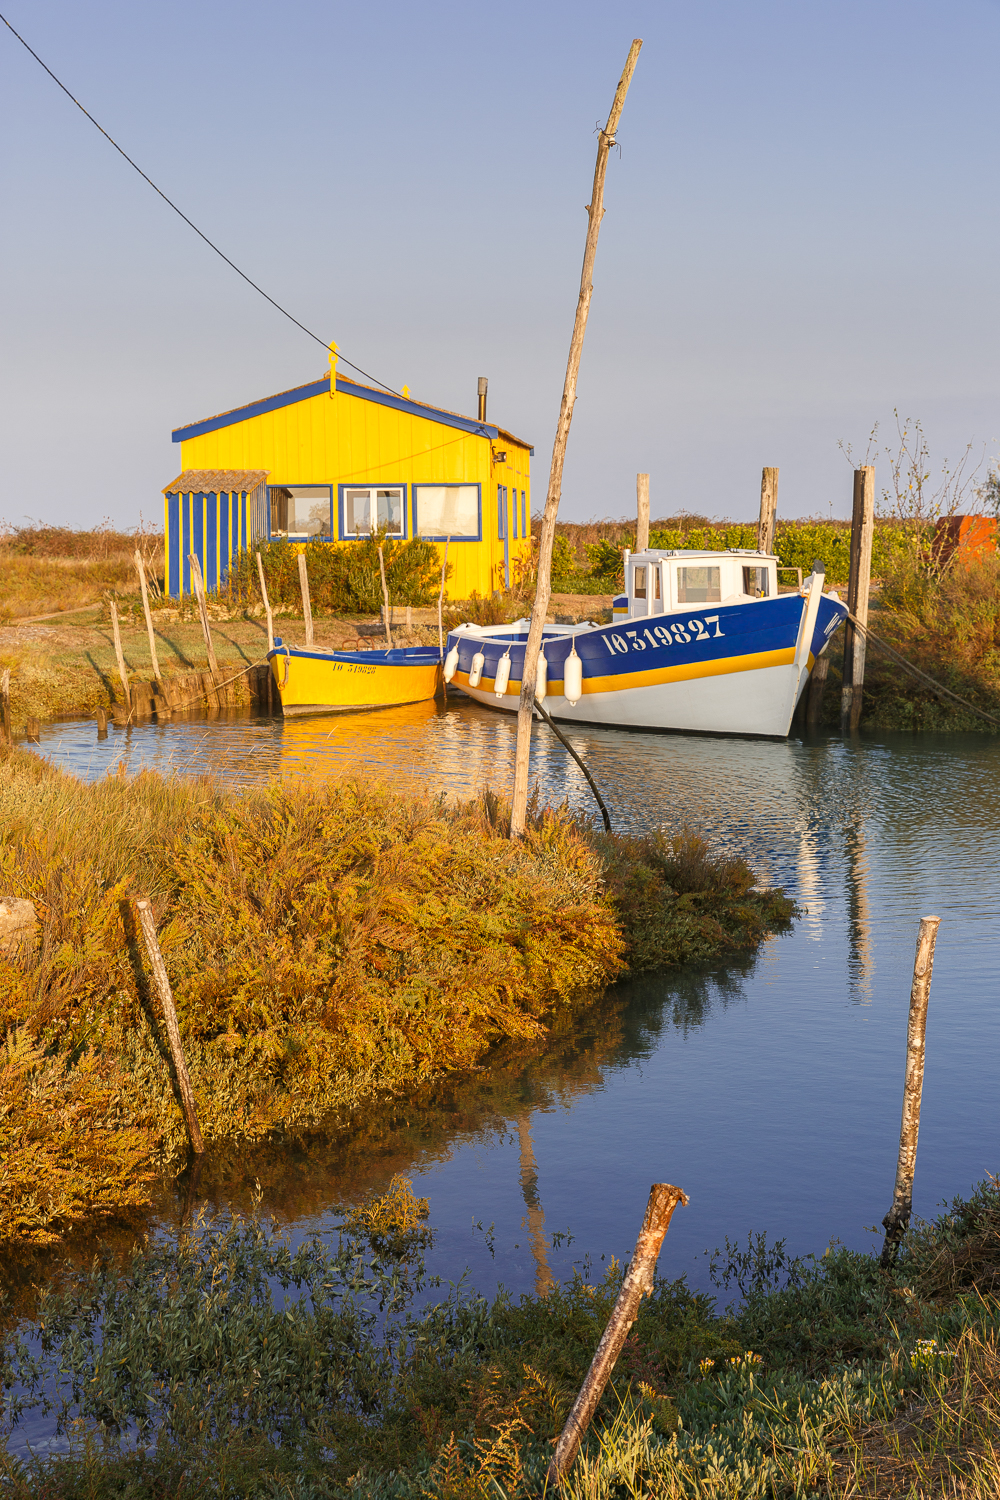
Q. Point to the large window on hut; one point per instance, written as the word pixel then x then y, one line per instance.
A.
pixel 368 508
pixel 448 510
pixel 301 512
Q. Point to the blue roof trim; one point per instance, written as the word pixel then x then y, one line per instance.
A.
pixel 322 387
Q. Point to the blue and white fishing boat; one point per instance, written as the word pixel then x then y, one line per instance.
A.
pixel 700 641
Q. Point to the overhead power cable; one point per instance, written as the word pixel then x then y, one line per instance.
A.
pixel 325 343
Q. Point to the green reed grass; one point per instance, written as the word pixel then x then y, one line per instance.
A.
pixel 336 1388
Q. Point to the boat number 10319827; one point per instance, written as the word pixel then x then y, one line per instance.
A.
pixel 663 635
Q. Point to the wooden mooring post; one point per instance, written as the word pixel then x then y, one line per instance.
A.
pixel 642 513
pixel 206 629
pixel 5 727
pixel 307 613
pixel 267 604
pixel 444 574
pixel 140 569
pixel 543 586
pixel 120 655
pixel 898 1217
pixel 663 1199
pixel 859 583
pixel 385 598
pixel 768 510
pixel 148 928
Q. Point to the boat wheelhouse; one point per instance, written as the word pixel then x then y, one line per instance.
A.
pixel 699 642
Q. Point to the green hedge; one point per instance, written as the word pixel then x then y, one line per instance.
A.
pixel 342 580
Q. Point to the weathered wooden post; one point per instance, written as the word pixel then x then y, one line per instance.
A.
pixel 102 723
pixel 444 571
pixel 307 613
pixel 6 727
pixel 119 653
pixel 206 630
pixel 140 569
pixel 543 586
pixel 385 598
pixel 898 1217
pixel 768 510
pixel 18 929
pixel 859 581
pixel 663 1199
pixel 34 730
pixel 642 512
pixel 173 1030
pixel 817 689
pixel 267 603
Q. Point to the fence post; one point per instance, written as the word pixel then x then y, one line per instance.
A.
pixel 8 732
pixel 663 1199
pixel 898 1217
pixel 119 653
pixel 642 512
pixel 267 604
pixel 307 613
pixel 173 1030
pixel 140 569
pixel 385 598
pixel 199 588
pixel 859 581
pixel 768 510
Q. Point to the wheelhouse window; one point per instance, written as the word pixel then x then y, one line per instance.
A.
pixel 639 583
pixel 698 586
pixel 369 508
pixel 301 512
pixel 447 510
pixel 755 582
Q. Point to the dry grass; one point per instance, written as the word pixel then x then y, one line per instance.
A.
pixel 45 569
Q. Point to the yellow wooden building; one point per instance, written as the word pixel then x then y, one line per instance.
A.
pixel 331 464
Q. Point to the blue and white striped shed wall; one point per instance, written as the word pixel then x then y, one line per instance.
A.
pixel 216 514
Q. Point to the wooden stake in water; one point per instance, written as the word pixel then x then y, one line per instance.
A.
pixel 543 587
pixel 5 706
pixel 385 598
pixel 140 569
pixel 663 1199
pixel 173 1030
pixel 859 582
pixel 642 512
pixel 267 604
pixel 120 655
pixel 898 1217
pixel 817 689
pixel 768 510
pixel 307 613
pixel 199 589
pixel 444 570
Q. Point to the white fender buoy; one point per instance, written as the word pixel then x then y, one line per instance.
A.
pixel 502 677
pixel 476 671
pixel 451 664
pixel 573 677
pixel 542 678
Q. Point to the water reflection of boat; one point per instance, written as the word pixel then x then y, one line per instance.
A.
pixel 327 682
pixel 702 641
pixel 378 743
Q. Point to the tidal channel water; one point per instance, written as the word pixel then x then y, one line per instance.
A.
pixel 769 1088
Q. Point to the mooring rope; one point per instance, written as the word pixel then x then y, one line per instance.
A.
pixel 897 656
pixel 592 783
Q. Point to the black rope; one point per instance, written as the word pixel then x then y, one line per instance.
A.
pixel 903 662
pixel 325 343
pixel 592 783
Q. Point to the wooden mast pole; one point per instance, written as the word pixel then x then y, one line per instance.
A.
pixel 543 588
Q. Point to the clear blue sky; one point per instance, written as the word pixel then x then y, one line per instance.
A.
pixel 800 234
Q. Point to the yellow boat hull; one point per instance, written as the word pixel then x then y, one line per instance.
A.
pixel 316 682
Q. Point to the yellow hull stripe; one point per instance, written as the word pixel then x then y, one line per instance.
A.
pixel 621 681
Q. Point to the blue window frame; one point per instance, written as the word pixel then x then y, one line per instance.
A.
pixel 453 511
pixel 299 512
pixel 524 513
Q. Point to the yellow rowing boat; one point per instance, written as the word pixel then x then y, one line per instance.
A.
pixel 328 682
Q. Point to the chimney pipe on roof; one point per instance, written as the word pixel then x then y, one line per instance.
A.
pixel 483 383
